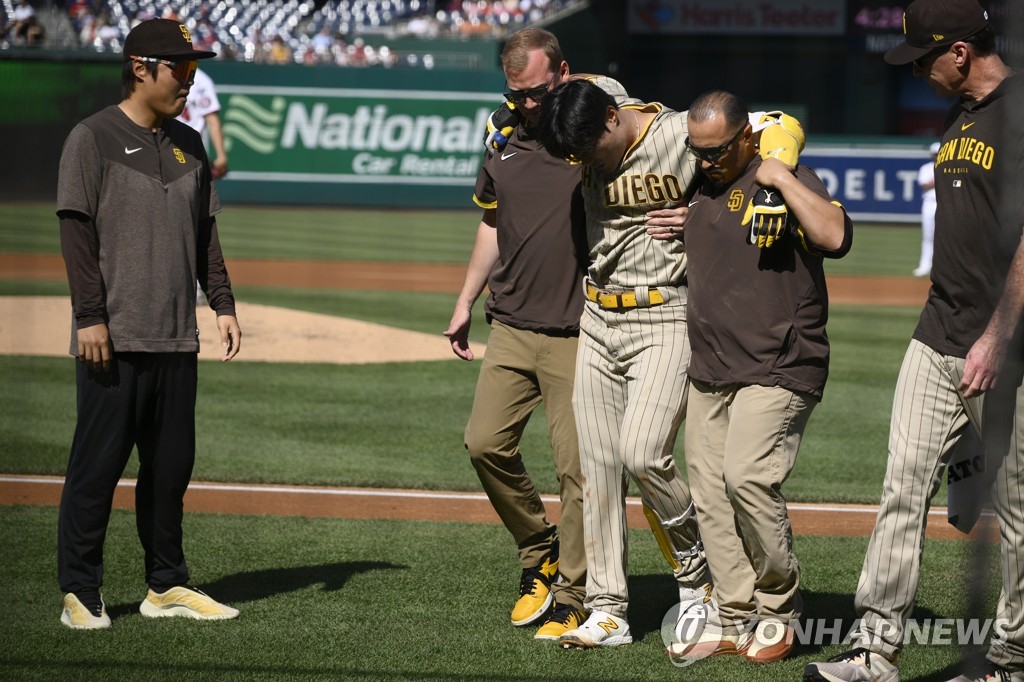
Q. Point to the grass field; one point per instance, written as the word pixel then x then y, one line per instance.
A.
pixel 387 600
pixel 414 236
pixel 379 600
pixel 335 424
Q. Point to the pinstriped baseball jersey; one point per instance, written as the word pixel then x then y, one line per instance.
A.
pixel 611 86
pixel 656 172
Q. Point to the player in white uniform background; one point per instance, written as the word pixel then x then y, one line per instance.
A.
pixel 926 181
pixel 202 113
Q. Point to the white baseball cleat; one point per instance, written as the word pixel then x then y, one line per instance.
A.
pixel 696 608
pixel 600 629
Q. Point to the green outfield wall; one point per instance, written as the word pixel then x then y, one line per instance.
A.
pixel 353 136
pixel 295 134
pixel 42 100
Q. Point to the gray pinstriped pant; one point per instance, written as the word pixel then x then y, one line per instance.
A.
pixel 928 417
pixel 629 400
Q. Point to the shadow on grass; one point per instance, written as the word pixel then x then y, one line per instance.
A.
pixel 827 618
pixel 251 586
pixel 969 660
pixel 646 594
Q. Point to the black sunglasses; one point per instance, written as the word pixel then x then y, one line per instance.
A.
pixel 519 97
pixel 713 154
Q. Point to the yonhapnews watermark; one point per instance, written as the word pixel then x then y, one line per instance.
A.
pixel 680 635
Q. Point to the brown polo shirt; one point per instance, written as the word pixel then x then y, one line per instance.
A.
pixel 755 316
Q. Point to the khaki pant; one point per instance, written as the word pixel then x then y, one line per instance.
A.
pixel 519 370
pixel 741 445
pixel 929 415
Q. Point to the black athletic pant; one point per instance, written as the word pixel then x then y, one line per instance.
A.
pixel 146 400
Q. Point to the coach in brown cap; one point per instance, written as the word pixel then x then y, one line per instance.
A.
pixel 963 371
pixel 930 25
pixel 137 230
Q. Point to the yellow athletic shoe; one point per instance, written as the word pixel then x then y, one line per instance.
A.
pixel 92 615
pixel 185 601
pixel 535 596
pixel 564 618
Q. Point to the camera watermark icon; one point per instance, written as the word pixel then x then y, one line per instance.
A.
pixel 691 631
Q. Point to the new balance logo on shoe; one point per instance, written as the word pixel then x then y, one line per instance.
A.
pixel 597 632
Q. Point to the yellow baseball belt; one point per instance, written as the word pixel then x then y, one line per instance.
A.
pixel 612 300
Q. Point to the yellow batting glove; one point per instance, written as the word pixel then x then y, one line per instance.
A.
pixel 767 216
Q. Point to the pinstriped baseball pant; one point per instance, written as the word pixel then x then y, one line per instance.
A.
pixel 929 414
pixel 629 400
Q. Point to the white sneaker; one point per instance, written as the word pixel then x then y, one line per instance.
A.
pixel 601 629
pixel 185 601
pixel 773 641
pixel 922 272
pixel 858 665
pixel 78 616
pixel 696 608
pixel 711 642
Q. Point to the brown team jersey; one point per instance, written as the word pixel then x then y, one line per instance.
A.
pixel 541 243
pixel 755 316
pixel 978 221
pixel 147 198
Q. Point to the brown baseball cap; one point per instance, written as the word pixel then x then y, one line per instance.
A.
pixel 928 24
pixel 164 38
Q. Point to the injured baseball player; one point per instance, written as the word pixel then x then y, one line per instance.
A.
pixel 630 387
